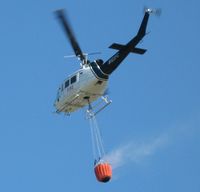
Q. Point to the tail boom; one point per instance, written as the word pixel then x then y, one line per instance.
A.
pixel 123 50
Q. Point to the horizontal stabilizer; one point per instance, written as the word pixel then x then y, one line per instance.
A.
pixel 116 46
pixel 139 51
pixel 132 50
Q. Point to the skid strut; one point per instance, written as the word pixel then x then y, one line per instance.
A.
pixel 94 110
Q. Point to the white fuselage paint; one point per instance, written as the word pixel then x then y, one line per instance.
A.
pixel 73 96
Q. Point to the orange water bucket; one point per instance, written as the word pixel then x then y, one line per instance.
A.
pixel 103 172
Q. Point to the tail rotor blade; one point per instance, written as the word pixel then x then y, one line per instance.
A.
pixel 158 12
pixel 68 30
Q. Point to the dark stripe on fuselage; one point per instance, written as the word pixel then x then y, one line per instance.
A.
pixel 98 72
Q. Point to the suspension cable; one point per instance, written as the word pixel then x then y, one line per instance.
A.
pixel 99 138
pixel 93 139
pixel 97 143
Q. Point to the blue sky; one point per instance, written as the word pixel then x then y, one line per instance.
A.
pixel 151 130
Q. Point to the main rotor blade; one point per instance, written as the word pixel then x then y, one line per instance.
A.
pixel 65 23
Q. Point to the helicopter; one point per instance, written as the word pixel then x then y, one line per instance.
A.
pixel 89 83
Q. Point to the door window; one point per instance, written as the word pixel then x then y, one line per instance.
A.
pixel 66 83
pixel 73 79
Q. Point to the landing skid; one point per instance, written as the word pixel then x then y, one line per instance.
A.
pixel 94 110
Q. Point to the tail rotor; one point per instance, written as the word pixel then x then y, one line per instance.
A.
pixel 155 11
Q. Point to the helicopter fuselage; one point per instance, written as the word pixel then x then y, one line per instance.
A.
pixel 80 89
pixel 90 81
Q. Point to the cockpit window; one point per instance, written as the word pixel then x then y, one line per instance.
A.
pixel 73 79
pixel 66 83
